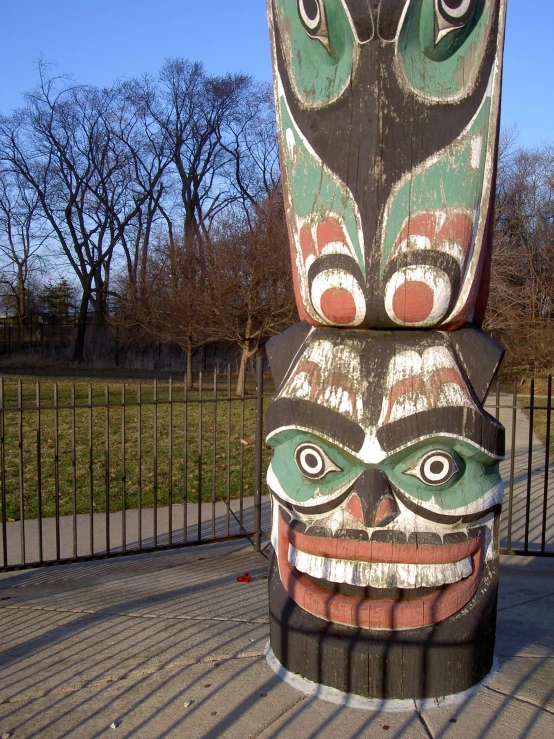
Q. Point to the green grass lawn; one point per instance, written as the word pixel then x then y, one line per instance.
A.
pixel 134 452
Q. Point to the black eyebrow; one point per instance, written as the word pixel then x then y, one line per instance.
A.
pixel 305 414
pixel 467 423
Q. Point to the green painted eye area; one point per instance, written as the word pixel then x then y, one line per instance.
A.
pixel 454 21
pixel 307 470
pixel 435 468
pixel 447 474
pixel 442 44
pixel 313 462
pixel 318 48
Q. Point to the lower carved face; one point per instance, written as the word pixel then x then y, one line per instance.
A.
pixel 385 480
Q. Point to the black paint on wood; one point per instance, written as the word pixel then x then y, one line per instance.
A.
pixel 480 356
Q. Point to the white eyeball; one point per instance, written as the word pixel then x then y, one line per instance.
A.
pixel 313 461
pixel 435 468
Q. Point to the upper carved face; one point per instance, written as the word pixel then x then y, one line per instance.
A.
pixel 385 476
pixel 387 119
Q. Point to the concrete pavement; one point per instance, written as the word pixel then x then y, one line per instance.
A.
pixel 169 644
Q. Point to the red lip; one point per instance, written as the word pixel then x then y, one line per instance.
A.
pixel 382 613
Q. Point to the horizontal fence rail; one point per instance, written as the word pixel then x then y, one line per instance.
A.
pixel 102 469
pixel 105 469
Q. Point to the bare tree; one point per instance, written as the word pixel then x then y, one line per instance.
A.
pixel 169 300
pixel 21 241
pixel 195 111
pixel 67 145
pixel 521 306
pixel 250 296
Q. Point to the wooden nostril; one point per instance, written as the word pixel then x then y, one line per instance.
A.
pixel 387 510
pixel 354 507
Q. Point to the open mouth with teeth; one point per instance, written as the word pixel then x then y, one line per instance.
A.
pixel 379 584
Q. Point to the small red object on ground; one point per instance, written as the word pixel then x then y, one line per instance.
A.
pixel 244 578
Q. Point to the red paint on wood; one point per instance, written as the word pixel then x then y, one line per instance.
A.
pixel 422 224
pixel 378 613
pixel 307 243
pixel 378 551
pixel 413 302
pixel 386 511
pixel 458 228
pixel 354 507
pixel 329 231
pixel 338 305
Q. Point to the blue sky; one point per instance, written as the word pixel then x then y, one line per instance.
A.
pixel 98 42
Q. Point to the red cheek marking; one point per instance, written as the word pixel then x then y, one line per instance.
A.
pixel 328 231
pixel 458 228
pixel 413 302
pixel 338 305
pixel 307 243
pixel 423 224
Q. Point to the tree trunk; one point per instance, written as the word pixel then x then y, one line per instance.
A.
pixel 242 372
pixel 190 383
pixel 247 352
pixel 79 346
pixel 20 302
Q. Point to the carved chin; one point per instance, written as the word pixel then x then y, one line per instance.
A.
pixel 349 582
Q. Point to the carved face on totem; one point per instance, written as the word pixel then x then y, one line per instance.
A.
pixel 388 116
pixel 385 479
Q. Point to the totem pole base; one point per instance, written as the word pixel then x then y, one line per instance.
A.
pixel 350 700
pixel 448 658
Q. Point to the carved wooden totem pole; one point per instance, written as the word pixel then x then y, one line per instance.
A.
pixel 385 485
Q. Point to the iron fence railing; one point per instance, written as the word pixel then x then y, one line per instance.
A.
pixel 98 469
pixel 528 517
pixel 93 470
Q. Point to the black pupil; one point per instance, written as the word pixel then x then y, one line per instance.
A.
pixel 438 467
pixel 452 4
pixel 311 8
pixel 311 460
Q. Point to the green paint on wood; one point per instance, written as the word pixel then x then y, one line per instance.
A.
pixel 445 69
pixel 319 72
pixel 477 473
pixel 315 192
pixel 453 179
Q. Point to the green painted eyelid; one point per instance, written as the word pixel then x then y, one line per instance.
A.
pixel 478 472
pixel 439 185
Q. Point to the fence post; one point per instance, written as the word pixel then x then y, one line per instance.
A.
pixel 259 449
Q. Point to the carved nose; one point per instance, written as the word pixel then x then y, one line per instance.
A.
pixel 372 501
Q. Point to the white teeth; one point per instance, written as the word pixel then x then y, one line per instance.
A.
pixel 379 574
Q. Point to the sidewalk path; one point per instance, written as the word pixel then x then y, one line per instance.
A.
pixel 171 645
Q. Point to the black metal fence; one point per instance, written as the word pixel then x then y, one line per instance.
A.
pixel 100 469
pixel 525 409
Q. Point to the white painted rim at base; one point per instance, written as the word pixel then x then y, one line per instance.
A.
pixel 350 700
